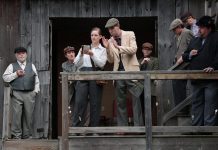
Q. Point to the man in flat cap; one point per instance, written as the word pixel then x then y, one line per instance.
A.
pixel 71 66
pixel 121 50
pixel 202 53
pixel 23 79
pixel 183 37
pixel 189 20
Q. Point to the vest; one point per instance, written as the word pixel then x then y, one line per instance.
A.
pixel 26 82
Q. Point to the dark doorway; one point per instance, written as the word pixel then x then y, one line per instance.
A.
pixel 76 32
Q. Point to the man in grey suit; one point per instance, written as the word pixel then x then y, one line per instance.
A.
pixel 183 37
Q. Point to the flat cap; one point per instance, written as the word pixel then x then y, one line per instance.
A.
pixel 20 49
pixel 68 48
pixel 111 22
pixel 205 21
pixel 175 23
pixel 147 45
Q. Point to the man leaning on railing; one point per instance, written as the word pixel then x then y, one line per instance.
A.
pixel 202 54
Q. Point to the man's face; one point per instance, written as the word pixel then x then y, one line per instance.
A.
pixel 203 31
pixel 146 52
pixel 21 56
pixel 70 55
pixel 114 31
pixel 177 30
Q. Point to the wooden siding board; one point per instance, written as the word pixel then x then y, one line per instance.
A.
pixel 181 7
pixel 96 8
pixel 105 8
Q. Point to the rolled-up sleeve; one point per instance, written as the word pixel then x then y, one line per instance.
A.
pixel 9 75
pixel 37 84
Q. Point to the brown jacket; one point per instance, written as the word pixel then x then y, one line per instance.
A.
pixel 127 50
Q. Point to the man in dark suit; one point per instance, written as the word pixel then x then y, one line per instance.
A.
pixel 202 53
pixel 183 37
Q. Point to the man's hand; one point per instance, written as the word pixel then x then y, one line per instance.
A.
pixel 115 43
pixel 208 70
pixel 193 52
pixel 90 52
pixel 145 61
pixel 179 61
pixel 105 42
pixel 20 73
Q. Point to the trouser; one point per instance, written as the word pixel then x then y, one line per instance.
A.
pixel 87 90
pixel 121 92
pixel 22 113
pixel 205 104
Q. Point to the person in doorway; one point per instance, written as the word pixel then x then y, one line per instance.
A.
pixel 202 53
pixel 70 66
pixel 183 37
pixel 94 59
pixel 190 22
pixel 121 50
pixel 23 79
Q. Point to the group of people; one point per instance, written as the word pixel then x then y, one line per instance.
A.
pixel 196 43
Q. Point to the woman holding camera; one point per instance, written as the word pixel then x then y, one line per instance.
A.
pixel 94 59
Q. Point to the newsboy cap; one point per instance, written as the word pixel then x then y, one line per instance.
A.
pixel 205 21
pixel 20 49
pixel 175 23
pixel 68 48
pixel 147 45
pixel 112 22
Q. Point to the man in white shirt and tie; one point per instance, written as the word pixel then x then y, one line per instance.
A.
pixel 23 79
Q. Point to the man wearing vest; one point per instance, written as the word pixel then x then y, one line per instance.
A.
pixel 24 81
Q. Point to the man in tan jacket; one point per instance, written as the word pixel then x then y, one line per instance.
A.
pixel 121 50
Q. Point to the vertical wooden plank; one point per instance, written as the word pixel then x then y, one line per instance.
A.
pixel 166 51
pixel 86 7
pixel 143 8
pixel 54 8
pixel 181 7
pixel 197 7
pixel 122 8
pixel 96 8
pixel 114 8
pixel 65 128
pixel 105 8
pixel 26 27
pixel 148 118
pixel 44 47
pixel 130 8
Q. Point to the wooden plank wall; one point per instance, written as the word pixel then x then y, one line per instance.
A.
pixel 26 23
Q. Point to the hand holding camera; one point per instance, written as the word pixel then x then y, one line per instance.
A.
pixel 86 49
pixel 20 73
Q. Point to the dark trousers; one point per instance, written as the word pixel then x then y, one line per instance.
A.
pixel 205 104
pixel 121 92
pixel 87 90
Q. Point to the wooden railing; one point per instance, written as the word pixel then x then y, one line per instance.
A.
pixel 147 77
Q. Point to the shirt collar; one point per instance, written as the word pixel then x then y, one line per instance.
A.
pixel 99 46
pixel 24 63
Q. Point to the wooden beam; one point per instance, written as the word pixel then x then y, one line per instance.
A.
pixel 155 129
pixel 64 144
pixel 147 106
pixel 6 113
pixel 130 75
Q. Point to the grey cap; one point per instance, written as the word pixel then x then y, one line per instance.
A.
pixel 111 22
pixel 175 23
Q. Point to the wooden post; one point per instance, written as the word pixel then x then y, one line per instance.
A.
pixel 64 143
pixel 6 113
pixel 148 118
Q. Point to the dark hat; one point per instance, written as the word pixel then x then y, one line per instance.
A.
pixel 20 49
pixel 112 22
pixel 68 48
pixel 205 21
pixel 175 23
pixel 185 16
pixel 147 45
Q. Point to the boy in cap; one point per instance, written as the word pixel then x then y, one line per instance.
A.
pixel 23 79
pixel 202 53
pixel 189 20
pixel 121 50
pixel 183 37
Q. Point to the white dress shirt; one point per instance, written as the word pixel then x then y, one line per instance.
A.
pixel 99 57
pixel 9 75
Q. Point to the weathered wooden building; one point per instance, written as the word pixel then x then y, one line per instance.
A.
pixel 45 27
